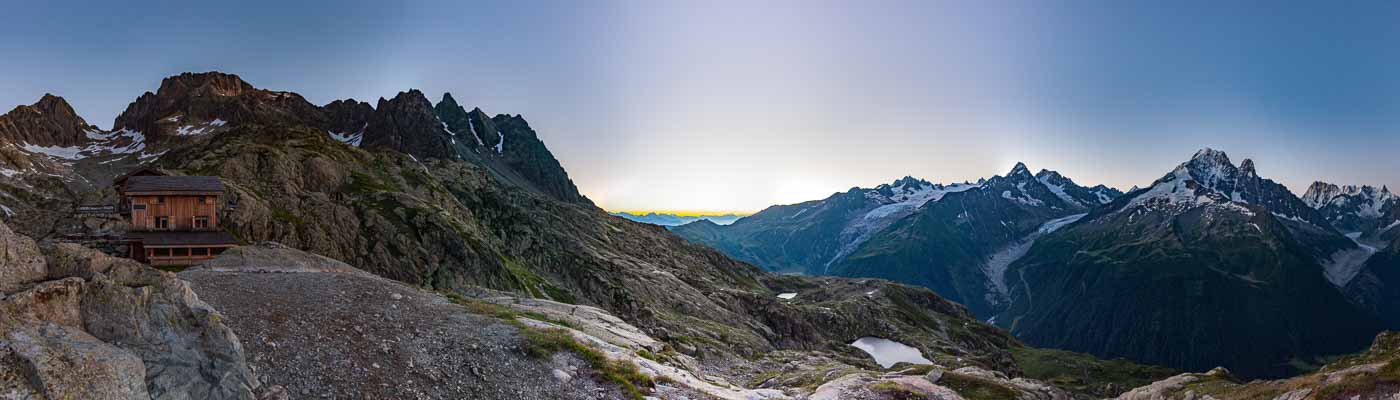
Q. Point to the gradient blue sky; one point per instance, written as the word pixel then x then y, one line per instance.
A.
pixel 736 106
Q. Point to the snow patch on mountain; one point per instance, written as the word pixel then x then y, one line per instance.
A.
pixel 1022 197
pixel 67 153
pixel 996 265
pixel 191 130
pixel 1344 265
pixel 1059 191
pixel 898 201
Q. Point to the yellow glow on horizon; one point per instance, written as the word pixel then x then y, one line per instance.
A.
pixel 686 213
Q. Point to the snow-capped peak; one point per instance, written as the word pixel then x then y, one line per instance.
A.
pixel 1212 168
pixel 1321 194
pixel 1208 177
pixel 1019 170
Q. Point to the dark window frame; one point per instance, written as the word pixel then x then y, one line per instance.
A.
pixel 201 222
pixel 161 223
pixel 138 207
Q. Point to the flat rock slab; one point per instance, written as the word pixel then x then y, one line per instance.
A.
pixel 351 336
pixel 274 257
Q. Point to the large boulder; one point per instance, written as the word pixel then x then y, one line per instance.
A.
pixel 20 261
pixel 102 327
pixel 64 363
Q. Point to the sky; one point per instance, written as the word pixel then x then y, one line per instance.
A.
pixel 738 105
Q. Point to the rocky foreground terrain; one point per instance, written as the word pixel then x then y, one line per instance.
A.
pixel 77 324
pixel 80 324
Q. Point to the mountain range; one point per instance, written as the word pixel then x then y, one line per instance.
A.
pixel 954 238
pixel 667 219
pixel 1210 265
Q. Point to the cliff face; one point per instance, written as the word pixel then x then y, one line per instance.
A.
pixel 48 122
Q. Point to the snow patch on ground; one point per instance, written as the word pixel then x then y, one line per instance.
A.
pixel 887 352
pixel 191 130
pixel 67 153
pixel 352 139
pixel 95 134
pixel 787 296
pixel 472 127
pixel 501 144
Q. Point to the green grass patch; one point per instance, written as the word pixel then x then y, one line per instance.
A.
pixel 503 312
pixel 1086 374
pixel 287 216
pixel 1388 375
pixel 896 391
pixel 364 183
pixel 544 343
pixel 974 388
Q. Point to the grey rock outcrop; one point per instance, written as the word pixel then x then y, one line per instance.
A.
pixel 84 325
pixel 20 261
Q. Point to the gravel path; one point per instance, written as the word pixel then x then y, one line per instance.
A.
pixel 348 336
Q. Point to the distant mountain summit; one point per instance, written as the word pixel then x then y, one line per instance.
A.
pixel 953 238
pixel 665 219
pixel 1350 208
pixel 48 122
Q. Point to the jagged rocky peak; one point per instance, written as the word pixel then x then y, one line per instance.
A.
pixel 211 83
pixel 1019 171
pixel 1321 194
pixel 1247 168
pixel 1210 167
pixel 902 188
pixel 906 183
pixel 199 103
pixel 51 121
pixel 474 127
pixel 408 123
pixel 348 117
